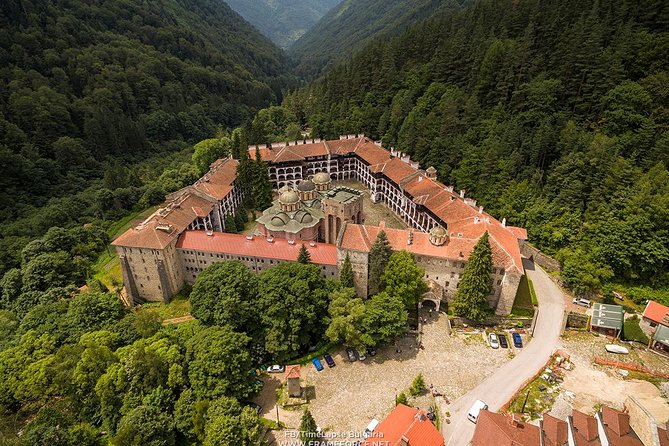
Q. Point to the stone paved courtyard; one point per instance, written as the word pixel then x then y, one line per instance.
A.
pixel 349 395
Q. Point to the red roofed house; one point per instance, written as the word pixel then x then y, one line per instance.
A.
pixel 405 426
pixel 655 314
pixel 507 430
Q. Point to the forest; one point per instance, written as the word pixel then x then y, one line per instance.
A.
pixel 89 91
pixel 351 24
pixel 553 114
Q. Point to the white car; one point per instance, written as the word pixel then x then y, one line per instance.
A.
pixel 494 342
pixel 276 368
pixel 477 407
pixel 582 302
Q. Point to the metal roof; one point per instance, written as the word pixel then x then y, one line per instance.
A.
pixel 662 334
pixel 607 316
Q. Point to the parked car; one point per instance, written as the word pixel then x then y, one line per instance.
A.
pixel 477 407
pixel 371 351
pixel 492 339
pixel 317 363
pixel 329 360
pixel 502 341
pixel 517 340
pixel 254 406
pixel 276 368
pixel 361 356
pixel 582 302
pixel 350 353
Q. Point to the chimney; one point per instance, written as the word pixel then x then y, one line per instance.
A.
pixel 480 209
pixel 420 178
pixel 504 222
pixel 382 224
pixel 249 237
pixel 487 219
pixel 477 219
pixel 515 421
pixel 404 441
pixel 270 239
pixel 462 193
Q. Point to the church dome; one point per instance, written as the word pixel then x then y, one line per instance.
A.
pixel 306 186
pixel 280 219
pixel 302 216
pixel 289 197
pixel 438 231
pixel 285 188
pixel 321 178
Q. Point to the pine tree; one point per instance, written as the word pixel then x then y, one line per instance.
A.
pixel 471 299
pixel 262 187
pixel 304 257
pixel 346 274
pixel 230 224
pixel 379 256
pixel 308 428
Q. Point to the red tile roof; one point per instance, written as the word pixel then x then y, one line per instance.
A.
pixel 501 430
pixel 409 423
pixel 217 183
pixel 617 428
pixel 586 432
pixel 239 245
pixel 663 433
pixel 293 371
pixel 556 432
pixel 656 312
pixel 361 238
pixel 165 225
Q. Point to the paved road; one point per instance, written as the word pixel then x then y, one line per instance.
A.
pixel 498 388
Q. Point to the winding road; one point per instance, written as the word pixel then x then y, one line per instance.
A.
pixel 498 388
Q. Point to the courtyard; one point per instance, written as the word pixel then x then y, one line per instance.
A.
pixel 347 397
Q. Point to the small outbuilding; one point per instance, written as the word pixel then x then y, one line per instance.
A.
pixel 293 378
pixel 607 319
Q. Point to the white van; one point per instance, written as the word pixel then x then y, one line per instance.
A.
pixel 370 428
pixel 477 407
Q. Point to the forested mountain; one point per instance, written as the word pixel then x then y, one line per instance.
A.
pixel 352 24
pixel 283 21
pixel 553 114
pixel 86 87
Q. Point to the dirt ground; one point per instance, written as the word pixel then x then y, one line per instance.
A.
pixel 348 396
pixel 589 384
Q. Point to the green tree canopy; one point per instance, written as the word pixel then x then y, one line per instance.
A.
pixel 347 312
pixel 385 319
pixel 226 293
pixel 379 256
pixel 404 279
pixel 471 299
pixel 219 364
pixel 209 150
pixel 292 306
pixel 308 428
pixel 346 276
pixel 304 257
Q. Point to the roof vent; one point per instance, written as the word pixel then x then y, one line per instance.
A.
pixel 291 242
pixel 462 193
pixel 270 239
pixel 312 243
pixel 249 237
pixel 460 234
pixel 480 209
pixel 210 232
pixel 504 222
pixel 477 219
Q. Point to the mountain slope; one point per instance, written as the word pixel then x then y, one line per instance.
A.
pixel 350 25
pixel 551 113
pixel 83 82
pixel 283 21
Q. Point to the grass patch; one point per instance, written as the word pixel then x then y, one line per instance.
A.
pixel 632 331
pixel 179 306
pixel 533 294
pixel 655 380
pixel 523 305
pixel 537 401
pixel 315 354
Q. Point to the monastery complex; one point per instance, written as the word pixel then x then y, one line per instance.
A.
pixel 182 238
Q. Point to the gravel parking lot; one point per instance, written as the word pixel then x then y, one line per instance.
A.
pixel 349 395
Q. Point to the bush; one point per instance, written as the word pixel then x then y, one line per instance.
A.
pixel 632 331
pixel 418 385
pixel 401 399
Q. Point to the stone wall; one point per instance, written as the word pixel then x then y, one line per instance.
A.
pixel 539 257
pixel 642 422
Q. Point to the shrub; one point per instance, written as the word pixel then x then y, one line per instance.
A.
pixel 401 399
pixel 632 331
pixel 418 385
